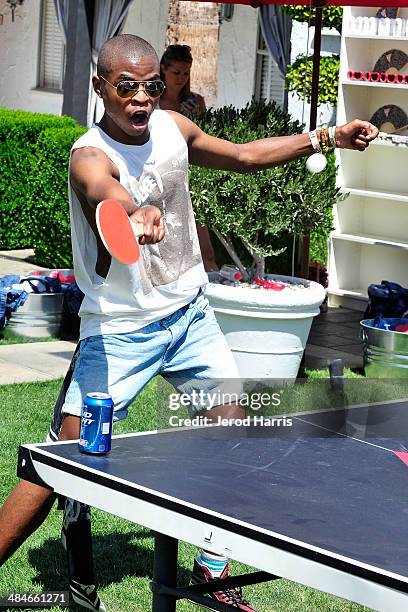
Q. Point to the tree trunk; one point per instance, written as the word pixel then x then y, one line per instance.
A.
pixel 258 260
pixel 227 244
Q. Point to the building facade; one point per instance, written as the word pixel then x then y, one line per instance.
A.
pixel 32 53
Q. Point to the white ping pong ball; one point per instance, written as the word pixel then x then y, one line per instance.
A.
pixel 316 163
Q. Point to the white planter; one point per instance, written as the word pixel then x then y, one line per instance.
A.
pixel 267 330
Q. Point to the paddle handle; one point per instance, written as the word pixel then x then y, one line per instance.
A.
pixel 137 228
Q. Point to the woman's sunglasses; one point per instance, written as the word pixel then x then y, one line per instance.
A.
pixel 127 89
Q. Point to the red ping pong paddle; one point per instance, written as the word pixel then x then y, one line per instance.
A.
pixel 118 233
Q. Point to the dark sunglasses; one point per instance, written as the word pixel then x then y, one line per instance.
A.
pixel 127 89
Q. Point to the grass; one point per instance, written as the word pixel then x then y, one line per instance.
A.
pixel 7 336
pixel 123 551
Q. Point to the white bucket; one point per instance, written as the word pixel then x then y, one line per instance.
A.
pixel 39 317
pixel 385 351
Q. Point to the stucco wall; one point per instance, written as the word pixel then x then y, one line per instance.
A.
pixel 19 49
pixel 148 19
pixel 20 44
pixel 237 54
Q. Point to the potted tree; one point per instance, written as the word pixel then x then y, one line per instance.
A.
pixel 257 218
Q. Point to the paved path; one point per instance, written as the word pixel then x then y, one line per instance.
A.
pixel 335 335
pixel 34 361
pixel 17 262
pixel 37 360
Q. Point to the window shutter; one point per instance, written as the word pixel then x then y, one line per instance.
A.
pixel 52 50
pixel 270 84
pixel 264 80
pixel 276 84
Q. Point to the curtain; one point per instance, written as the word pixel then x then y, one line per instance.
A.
pixel 61 9
pixel 276 27
pixel 109 16
pixel 108 19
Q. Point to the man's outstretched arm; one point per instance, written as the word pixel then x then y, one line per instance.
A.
pixel 211 152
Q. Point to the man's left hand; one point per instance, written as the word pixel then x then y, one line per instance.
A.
pixel 355 135
pixel 150 223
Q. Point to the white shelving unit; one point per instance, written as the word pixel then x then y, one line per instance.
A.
pixel 370 240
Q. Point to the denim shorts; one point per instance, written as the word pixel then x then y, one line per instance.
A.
pixel 187 348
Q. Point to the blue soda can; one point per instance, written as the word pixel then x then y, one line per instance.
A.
pixel 96 424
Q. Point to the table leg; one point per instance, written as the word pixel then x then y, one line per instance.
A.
pixel 164 572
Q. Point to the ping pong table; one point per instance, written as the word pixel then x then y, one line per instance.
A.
pixel 323 502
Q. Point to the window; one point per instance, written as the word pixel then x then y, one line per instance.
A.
pixel 52 57
pixel 269 83
pixel 226 12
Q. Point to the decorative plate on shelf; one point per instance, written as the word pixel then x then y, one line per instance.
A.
pixel 390 118
pixel 393 60
pixel 387 11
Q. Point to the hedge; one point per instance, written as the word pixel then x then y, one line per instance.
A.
pixel 19 133
pixel 49 208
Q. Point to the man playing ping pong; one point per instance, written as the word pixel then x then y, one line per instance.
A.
pixel 149 317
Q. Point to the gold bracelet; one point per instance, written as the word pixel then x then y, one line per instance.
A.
pixel 324 140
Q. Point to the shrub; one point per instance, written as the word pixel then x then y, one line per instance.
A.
pixel 257 210
pixel 299 78
pixel 49 197
pixel 19 132
pixel 332 15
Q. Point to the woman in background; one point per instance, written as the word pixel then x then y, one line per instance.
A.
pixel 175 68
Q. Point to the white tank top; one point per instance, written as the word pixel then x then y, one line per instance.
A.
pixel 168 274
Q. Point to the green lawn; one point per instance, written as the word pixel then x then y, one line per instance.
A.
pixel 8 336
pixel 123 551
